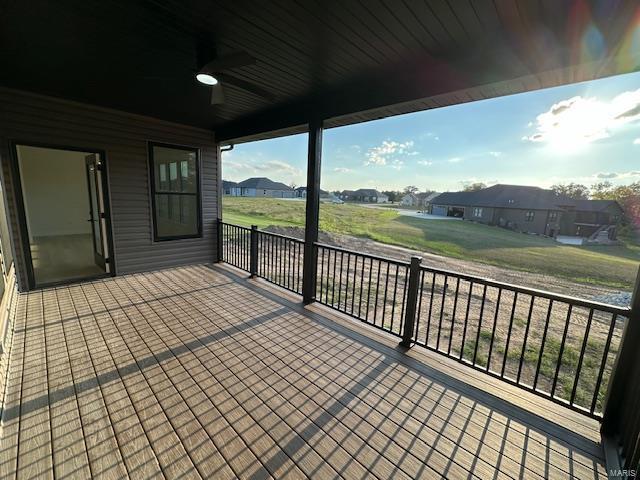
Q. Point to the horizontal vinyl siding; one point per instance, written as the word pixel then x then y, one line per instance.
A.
pixel 32 118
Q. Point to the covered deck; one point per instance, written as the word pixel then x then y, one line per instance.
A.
pixel 199 372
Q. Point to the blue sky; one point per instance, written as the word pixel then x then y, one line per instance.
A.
pixel 586 132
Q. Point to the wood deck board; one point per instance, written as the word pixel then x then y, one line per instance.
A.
pixel 197 372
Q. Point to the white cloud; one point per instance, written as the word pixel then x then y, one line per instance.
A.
pixel 387 150
pixel 426 163
pixel 275 169
pixel 636 141
pixel 454 160
pixel 617 175
pixel 495 154
pixel 578 121
pixel 342 170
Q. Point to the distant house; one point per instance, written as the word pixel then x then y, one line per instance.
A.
pixel 264 187
pixel 418 200
pixel 531 210
pixel 365 195
pixel 230 188
pixel 301 192
pixel 426 199
pixel 410 200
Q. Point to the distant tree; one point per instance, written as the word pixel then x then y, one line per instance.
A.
pixel 602 190
pixel 628 197
pixel 393 195
pixel 293 185
pixel 572 190
pixel 410 189
pixel 474 187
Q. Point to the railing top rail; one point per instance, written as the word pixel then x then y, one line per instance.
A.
pixel 604 307
pixel 362 254
pixel 295 239
pixel 236 226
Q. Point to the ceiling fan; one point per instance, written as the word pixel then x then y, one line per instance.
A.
pixel 214 74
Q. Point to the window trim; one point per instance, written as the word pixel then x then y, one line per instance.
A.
pixel 528 218
pixel 152 184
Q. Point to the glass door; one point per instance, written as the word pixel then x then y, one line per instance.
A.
pixel 96 210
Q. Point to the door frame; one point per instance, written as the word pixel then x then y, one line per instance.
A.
pixel 22 218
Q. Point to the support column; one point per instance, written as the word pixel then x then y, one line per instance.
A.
pixel 313 211
pixel 625 370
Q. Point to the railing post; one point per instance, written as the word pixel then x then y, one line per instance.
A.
pixel 310 264
pixel 412 302
pixel 625 369
pixel 253 254
pixel 219 235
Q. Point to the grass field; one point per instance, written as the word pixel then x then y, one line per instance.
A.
pixel 613 266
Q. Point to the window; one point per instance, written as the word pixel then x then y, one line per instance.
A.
pixel 529 216
pixel 477 212
pixel 553 216
pixel 175 192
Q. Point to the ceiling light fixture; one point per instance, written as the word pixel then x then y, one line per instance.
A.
pixel 206 78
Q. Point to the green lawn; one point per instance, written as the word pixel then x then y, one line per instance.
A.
pixel 614 266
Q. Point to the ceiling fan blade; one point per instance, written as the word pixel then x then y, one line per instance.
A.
pixel 247 86
pixel 226 62
pixel 217 94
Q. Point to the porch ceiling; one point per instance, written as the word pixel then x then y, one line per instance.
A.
pixel 341 61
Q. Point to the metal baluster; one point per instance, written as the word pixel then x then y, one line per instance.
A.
pixel 404 297
pixel 495 324
pixel 431 297
pixel 369 292
pixel 484 299
pixel 346 289
pixel 355 271
pixel 393 305
pixel 506 348
pixel 333 280
pixel 375 309
pixel 561 352
pixel 466 321
pixel 542 343
pixel 419 312
pixel 444 297
pixel 361 288
pixel 384 301
pixel 603 364
pixel 321 273
pixel 453 316
pixel 526 337
pixel 581 358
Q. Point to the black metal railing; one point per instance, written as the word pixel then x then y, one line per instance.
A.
pixel 556 346
pixel 236 245
pixel 370 288
pixel 279 260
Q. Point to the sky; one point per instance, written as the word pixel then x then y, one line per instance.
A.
pixel 586 133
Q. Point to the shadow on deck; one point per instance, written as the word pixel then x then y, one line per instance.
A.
pixel 198 372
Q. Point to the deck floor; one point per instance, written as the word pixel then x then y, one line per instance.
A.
pixel 197 372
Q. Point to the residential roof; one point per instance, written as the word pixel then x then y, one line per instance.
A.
pixel 596 205
pixel 507 196
pixel 369 191
pixel 428 197
pixel 229 184
pixel 263 183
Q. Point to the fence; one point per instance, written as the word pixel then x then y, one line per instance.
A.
pixel 556 346
pixel 279 260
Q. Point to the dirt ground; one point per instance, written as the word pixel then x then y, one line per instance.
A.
pixel 525 279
